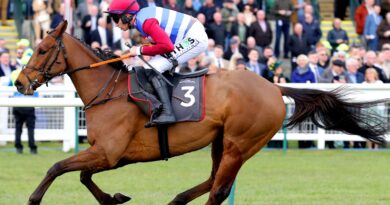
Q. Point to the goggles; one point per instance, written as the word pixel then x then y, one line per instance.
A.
pixel 115 17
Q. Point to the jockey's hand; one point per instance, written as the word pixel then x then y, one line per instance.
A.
pixel 135 50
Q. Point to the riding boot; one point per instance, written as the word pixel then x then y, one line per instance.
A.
pixel 166 116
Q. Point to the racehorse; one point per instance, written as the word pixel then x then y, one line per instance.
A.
pixel 243 112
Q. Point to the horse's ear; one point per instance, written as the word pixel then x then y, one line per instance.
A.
pixel 61 28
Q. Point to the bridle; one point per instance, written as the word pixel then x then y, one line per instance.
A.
pixel 45 69
pixel 57 48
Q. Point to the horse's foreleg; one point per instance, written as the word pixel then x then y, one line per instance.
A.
pixel 101 197
pixel 90 159
pixel 231 163
pixel 199 190
pixel 193 193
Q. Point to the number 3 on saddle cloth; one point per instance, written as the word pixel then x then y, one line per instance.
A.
pixel 187 93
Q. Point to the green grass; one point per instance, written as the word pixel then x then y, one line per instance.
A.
pixel 269 178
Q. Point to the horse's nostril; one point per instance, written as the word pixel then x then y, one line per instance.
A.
pixel 18 84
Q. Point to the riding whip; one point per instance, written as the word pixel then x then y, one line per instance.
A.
pixel 110 61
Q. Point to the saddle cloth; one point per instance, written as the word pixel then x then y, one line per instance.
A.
pixel 187 93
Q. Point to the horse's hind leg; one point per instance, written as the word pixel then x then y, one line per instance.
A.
pixel 199 190
pixel 102 197
pixel 231 163
pixel 89 159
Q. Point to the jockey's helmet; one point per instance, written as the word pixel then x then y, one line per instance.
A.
pixel 119 8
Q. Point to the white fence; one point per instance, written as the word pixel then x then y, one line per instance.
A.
pixel 56 110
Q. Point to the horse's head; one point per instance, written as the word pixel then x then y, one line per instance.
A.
pixel 47 61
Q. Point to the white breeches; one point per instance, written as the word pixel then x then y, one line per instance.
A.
pixel 194 43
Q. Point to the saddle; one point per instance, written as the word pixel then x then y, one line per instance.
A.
pixel 187 98
pixel 187 93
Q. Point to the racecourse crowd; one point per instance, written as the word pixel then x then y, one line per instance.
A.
pixel 244 35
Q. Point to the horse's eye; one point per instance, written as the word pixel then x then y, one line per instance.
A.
pixel 42 52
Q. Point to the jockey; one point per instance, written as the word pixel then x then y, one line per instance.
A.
pixel 175 38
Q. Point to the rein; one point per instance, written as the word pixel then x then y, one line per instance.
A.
pixel 47 76
pixel 92 102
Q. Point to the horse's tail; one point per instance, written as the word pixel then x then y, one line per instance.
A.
pixel 328 110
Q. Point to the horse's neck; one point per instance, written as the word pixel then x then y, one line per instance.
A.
pixel 87 82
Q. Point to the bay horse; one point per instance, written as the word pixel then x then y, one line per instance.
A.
pixel 243 112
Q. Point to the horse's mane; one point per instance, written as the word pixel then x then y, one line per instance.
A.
pixel 104 55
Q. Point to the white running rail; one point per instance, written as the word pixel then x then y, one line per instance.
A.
pixel 56 114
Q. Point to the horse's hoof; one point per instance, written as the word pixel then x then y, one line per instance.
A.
pixel 31 202
pixel 120 198
pixel 177 203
